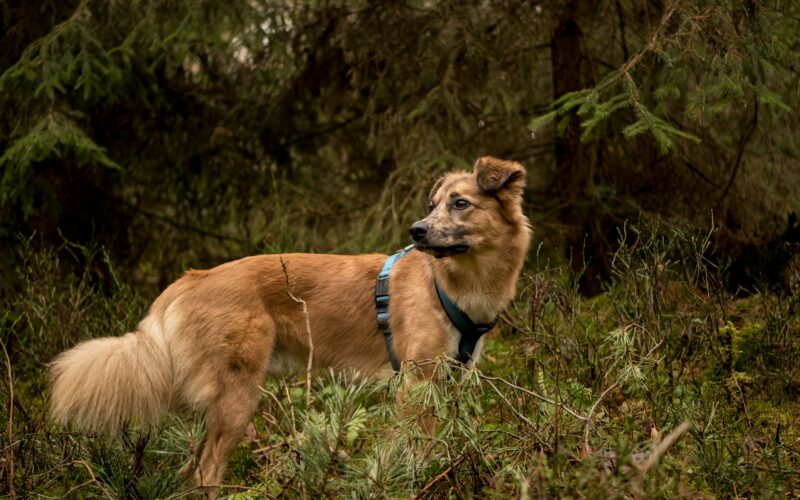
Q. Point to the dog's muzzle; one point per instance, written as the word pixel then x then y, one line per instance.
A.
pixel 419 234
pixel 418 231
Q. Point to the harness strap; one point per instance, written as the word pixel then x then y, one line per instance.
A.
pixel 382 303
pixel 471 332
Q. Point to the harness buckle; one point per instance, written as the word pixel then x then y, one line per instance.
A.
pixel 383 319
pixel 382 288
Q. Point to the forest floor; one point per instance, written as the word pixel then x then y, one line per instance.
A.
pixel 665 385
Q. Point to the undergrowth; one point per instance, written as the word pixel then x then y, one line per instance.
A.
pixel 664 386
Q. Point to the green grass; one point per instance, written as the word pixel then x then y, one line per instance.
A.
pixel 665 344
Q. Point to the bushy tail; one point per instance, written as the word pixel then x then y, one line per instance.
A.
pixel 104 383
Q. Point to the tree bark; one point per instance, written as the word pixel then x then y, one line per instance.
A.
pixel 574 182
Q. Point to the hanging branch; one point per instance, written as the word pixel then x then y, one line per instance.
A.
pixel 743 140
pixel 309 365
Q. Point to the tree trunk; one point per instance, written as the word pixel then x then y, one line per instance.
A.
pixel 574 182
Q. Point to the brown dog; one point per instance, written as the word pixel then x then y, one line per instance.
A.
pixel 210 337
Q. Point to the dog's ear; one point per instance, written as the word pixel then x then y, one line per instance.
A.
pixel 494 175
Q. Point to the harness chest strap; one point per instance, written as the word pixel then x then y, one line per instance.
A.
pixel 470 331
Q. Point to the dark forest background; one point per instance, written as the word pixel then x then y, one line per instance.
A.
pixel 183 133
pixel 142 138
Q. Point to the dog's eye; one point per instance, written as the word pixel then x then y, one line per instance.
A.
pixel 461 204
pixel 430 206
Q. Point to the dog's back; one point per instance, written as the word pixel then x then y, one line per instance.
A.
pixel 229 318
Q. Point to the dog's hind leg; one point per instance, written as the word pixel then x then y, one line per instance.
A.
pixel 235 403
pixel 227 419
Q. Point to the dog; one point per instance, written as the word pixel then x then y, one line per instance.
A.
pixel 211 337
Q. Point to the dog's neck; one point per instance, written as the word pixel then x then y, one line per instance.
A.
pixel 482 285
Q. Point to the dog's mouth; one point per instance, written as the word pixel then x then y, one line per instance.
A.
pixel 441 252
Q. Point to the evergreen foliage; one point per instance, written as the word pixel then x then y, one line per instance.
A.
pixel 221 117
pixel 141 138
pixel 675 112
pixel 208 127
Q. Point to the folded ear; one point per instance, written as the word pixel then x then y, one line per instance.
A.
pixel 494 175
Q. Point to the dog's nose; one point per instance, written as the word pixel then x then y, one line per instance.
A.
pixel 418 230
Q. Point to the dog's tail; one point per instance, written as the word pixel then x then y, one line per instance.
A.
pixel 104 383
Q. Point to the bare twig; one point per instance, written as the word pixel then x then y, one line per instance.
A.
pixel 94 478
pixel 509 384
pixel 508 403
pixel 589 421
pixel 10 458
pixel 634 60
pixel 743 140
pixel 506 318
pixel 308 331
pixel 651 44
pixel 537 396
pixel 278 402
pixel 661 448
pixel 291 409
pixel 190 492
pixel 77 487
pixel 433 481
pixel 137 449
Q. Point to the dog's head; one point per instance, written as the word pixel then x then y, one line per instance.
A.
pixel 473 212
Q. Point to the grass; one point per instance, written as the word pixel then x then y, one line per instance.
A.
pixel 666 385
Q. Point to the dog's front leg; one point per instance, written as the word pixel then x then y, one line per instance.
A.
pixel 421 392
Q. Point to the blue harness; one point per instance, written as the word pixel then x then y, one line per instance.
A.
pixel 470 331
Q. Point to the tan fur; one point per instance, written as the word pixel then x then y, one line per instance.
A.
pixel 210 337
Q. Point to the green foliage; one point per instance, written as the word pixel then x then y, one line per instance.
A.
pixel 54 136
pixel 222 130
pixel 683 56
pixel 574 401
pixel 242 125
pixel 676 111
